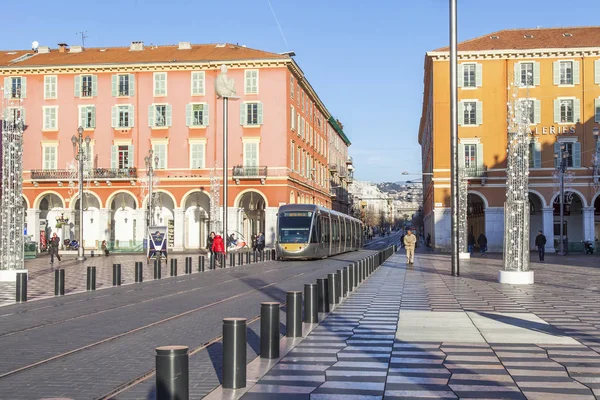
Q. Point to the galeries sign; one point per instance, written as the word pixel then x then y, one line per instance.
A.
pixel 553 130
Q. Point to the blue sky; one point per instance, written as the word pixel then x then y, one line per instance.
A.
pixel 365 59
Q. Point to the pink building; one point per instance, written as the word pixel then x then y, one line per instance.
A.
pixel 131 100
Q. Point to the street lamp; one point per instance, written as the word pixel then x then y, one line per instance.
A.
pixel 562 158
pixel 150 169
pixel 81 155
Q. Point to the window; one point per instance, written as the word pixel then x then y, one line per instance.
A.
pixel 251 154
pixel 13 114
pixel 303 129
pixel 298 125
pixel 568 150
pixel 527 107
pixel 292 87
pixel 566 111
pixel 566 72
pixel 159 115
pixel 469 113
pixel 198 79
pixel 50 118
pixel 49 156
pixel 470 155
pixel 86 86
pixel 87 117
pixel 302 101
pixel 251 113
pixel 535 155
pixel 197 155
pixel 50 87
pixel 15 87
pixel 251 81
pixel 197 114
pixel 122 116
pixel 123 85
pixel 571 151
pixel 123 157
pixel 160 151
pixel 469 75
pixel 526 74
pixel 292 152
pixel 160 84
pixel 299 160
pixel 292 118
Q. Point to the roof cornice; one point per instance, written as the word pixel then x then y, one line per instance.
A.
pixel 517 53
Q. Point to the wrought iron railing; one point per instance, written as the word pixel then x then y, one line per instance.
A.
pixel 96 173
pixel 475 172
pixel 249 172
pixel 333 168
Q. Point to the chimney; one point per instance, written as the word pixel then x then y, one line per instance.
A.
pixel 43 49
pixel 76 49
pixel 62 47
pixel 185 46
pixel 136 46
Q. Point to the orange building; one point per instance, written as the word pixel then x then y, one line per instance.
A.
pixel 558 70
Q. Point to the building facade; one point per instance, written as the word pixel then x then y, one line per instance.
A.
pixel 340 166
pixel 159 103
pixel 557 72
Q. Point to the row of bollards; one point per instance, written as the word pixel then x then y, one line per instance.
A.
pixel 59 274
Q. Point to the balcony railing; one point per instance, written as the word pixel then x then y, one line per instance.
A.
pixel 349 161
pixel 96 173
pixel 342 173
pixel 333 168
pixel 249 172
pixel 475 172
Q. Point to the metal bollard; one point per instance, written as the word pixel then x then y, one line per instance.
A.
pixel 331 290
pixel 360 271
pixel 234 353
pixel 351 278
pixel 59 282
pixel 116 277
pixel 323 295
pixel 90 283
pixel 269 329
pixel 172 373
pixel 247 257
pixel 293 317
pixel 173 267
pixel 188 265
pixel 201 264
pixel 139 271
pixel 311 303
pixel 213 261
pixel 338 286
pixel 21 292
pixel 240 258
pixel 223 260
pixel 345 278
pixel 273 255
pixel 232 259
pixel 157 269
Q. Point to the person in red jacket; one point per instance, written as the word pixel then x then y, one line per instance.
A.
pixel 218 248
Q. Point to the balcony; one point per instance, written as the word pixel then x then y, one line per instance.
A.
pixel 333 168
pixel 125 174
pixel 349 161
pixel 475 172
pixel 249 172
pixel 342 174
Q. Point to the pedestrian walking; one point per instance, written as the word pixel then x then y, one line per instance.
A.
pixel 428 241
pixel 482 242
pixel 471 242
pixel 260 241
pixel 540 243
pixel 218 247
pixel 410 241
pixel 105 248
pixel 54 244
pixel 402 240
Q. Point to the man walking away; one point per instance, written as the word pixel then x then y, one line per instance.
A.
pixel 402 240
pixel 482 242
pixel 409 243
pixel 471 242
pixel 54 243
pixel 540 243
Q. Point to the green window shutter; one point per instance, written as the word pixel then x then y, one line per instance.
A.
pixel 556 153
pixel 577 155
pixel 130 157
pixel 517 72
pixel 576 72
pixel 461 155
pixel 536 73
pixel 479 157
pixel 478 75
pixel 131 85
pixel 556 72
pixel 461 113
pixel 537 155
pixel 556 111
pixel 114 156
pixel 94 85
pixel 460 78
pixel 82 112
pixel 114 85
pixel 114 116
pixel 597 72
pixel 479 112
pixel 151 110
pixel 23 87
pixel 576 110
pixel 93 117
pixel 77 85
pixel 131 117
pixel 169 114
pixel 188 114
pixel 537 111
pixel 597 110
pixel 205 114
pixel 260 113
pixel 242 113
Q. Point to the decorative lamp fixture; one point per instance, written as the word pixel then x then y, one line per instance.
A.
pixel 251 205
pixel 596 132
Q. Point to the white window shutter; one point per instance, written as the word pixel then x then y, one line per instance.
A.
pixel 461 113
pixel 556 72
pixel 298 124
pixel 460 78
pixel 576 72
pixel 6 88
pixel 131 117
pixel 23 116
pixel 94 85
pixel 169 114
pixel 576 110
pixel 130 157
pixel 82 112
pixel 597 72
pixel 536 73
pixel 188 115
pixel 576 155
pixel 479 157
pixel 151 110
pixel 195 83
pixel 115 116
pixel 479 112
pixel 478 75
pixel 248 81
pixel 23 87
pixel 114 156
pixel 131 85
pixel 517 72
pixel 205 114
pixel 597 110
pixel 537 155
pixel 461 155
pixel 260 113
pixel 242 113
pixel 115 85
pixel 77 85
pixel 93 117
pixel 537 111
pixel 556 111
pixel 556 153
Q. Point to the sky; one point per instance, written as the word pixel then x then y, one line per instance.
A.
pixel 364 58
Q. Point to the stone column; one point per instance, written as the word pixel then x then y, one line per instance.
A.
pixel 33 224
pixel 105 215
pixel 270 226
pixel 179 229
pixel 588 223
pixel 494 228
pixel 441 229
pixel 548 227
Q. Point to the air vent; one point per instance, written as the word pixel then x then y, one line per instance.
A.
pixel 75 49
pixel 567 35
pixel 185 46
pixel 136 46
pixel 102 50
pixel 494 37
pixel 44 49
pixel 528 36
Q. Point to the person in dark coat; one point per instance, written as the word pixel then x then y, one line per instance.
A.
pixel 209 242
pixel 254 243
pixel 260 242
pixel 470 242
pixel 540 243
pixel 482 242
pixel 54 245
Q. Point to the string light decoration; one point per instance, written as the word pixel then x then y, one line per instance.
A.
pixel 516 207
pixel 11 202
pixel 215 193
pixel 463 193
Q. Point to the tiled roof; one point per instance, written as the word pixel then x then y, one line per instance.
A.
pixel 536 38
pixel 150 54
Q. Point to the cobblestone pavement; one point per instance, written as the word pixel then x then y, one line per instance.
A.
pixel 417 332
pixel 87 344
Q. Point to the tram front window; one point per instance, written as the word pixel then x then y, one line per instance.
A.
pixel 294 226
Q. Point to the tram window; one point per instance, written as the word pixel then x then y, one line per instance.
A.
pixel 315 236
pixel 326 228
pixel 334 224
pixel 342 230
pixel 294 227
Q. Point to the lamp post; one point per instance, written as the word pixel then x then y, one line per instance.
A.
pixel 81 155
pixel 150 170
pixel 562 156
